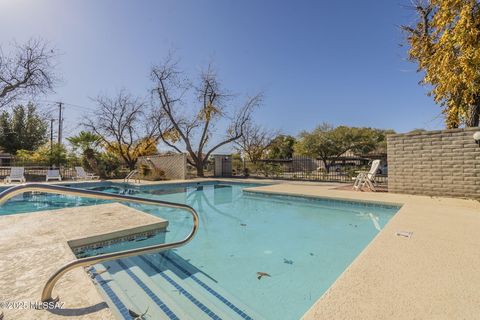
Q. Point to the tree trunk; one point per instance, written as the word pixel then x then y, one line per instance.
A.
pixel 327 166
pixel 199 167
pixel 132 165
pixel 91 161
pixel 473 114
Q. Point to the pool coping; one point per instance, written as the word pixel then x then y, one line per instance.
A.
pixel 104 239
pixel 323 197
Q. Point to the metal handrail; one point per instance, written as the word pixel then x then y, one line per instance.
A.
pixel 88 261
pixel 130 175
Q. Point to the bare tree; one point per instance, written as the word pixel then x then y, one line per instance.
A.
pixel 125 126
pixel 27 71
pixel 255 141
pixel 196 128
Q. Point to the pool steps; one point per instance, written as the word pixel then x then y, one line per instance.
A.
pixel 166 287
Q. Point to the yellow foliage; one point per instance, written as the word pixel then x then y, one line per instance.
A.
pixel 144 147
pixel 208 112
pixel 449 55
pixel 171 135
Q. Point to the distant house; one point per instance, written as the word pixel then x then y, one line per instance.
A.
pixel 363 159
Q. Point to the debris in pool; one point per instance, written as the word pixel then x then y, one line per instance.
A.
pixel 406 234
pixel 137 316
pixel 243 224
pixel 311 253
pixel 287 261
pixel 262 274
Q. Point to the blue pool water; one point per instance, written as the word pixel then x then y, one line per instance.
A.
pixel 301 243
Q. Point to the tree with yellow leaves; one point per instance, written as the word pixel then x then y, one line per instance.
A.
pixel 140 148
pixel 445 43
pixel 126 127
pixel 194 129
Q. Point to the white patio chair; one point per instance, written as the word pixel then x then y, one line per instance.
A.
pixel 53 174
pixel 83 175
pixel 367 178
pixel 16 174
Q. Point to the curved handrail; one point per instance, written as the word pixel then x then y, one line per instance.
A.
pixel 130 175
pixel 83 262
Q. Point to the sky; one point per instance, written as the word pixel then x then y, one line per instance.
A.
pixel 316 61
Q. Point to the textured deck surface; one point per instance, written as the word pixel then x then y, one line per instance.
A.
pixel 34 245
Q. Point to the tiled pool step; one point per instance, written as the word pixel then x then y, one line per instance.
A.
pixel 115 295
pixel 167 287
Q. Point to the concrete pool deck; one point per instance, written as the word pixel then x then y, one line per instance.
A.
pixel 432 275
pixel 34 245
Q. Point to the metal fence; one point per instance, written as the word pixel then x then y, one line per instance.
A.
pixel 304 168
pixel 38 173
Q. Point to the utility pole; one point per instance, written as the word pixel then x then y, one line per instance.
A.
pixel 60 123
pixel 51 140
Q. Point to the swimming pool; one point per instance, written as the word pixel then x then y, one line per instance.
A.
pixel 256 256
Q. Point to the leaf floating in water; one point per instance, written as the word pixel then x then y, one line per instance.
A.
pixel 137 316
pixel 243 224
pixel 262 274
pixel 311 253
pixel 287 261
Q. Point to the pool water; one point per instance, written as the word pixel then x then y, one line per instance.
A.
pixel 300 245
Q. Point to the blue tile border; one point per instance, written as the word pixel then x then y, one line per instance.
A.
pixel 170 314
pixel 122 308
pixel 323 200
pixel 209 289
pixel 188 295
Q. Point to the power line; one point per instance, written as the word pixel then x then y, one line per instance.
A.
pixel 48 107
pixel 60 123
pixel 64 103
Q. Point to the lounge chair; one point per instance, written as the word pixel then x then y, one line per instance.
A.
pixel 83 175
pixel 367 178
pixel 16 174
pixel 53 174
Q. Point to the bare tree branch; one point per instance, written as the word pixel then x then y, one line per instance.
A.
pixel 124 126
pixel 198 127
pixel 28 71
pixel 255 141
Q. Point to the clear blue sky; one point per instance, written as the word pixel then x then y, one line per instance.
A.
pixel 317 61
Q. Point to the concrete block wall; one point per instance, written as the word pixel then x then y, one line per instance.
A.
pixel 435 163
pixel 174 165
